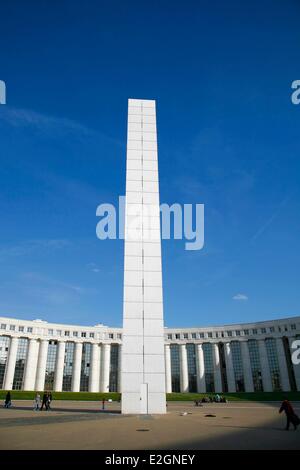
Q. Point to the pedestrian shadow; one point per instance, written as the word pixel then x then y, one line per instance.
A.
pixel 242 438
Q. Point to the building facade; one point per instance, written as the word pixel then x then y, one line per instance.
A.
pixel 37 355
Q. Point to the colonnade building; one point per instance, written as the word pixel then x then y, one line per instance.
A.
pixel 37 355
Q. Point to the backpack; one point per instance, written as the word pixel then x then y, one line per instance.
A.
pixel 295 419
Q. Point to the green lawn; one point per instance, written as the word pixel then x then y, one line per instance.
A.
pixel 257 396
pixel 85 396
pixel 245 396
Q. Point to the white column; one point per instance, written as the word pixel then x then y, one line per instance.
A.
pixel 217 368
pixel 59 366
pixel 248 378
pixel 265 369
pixel 184 378
pixel 201 385
pixel 105 368
pixel 94 380
pixel 31 365
pixel 229 369
pixel 284 376
pixel 11 364
pixel 168 369
pixel 143 376
pixel 120 369
pixel 295 366
pixel 41 365
pixel 76 372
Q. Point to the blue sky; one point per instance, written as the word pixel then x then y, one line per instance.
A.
pixel 221 73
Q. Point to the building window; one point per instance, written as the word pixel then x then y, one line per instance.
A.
pixel 50 332
pixel 293 326
pixel 192 368
pixel 12 327
pixel 255 365
pixel 229 333
pixel 209 334
pixel 3 326
pixel 114 367
pixel 58 332
pixel 194 336
pixel 285 328
pixel 169 336
pixel 92 335
pixel 50 365
pixel 272 329
pixel 238 369
pixel 20 363
pixel 254 331
pixel 111 336
pixel 4 346
pixel 83 334
pixel 185 336
pixel 75 333
pixel 85 367
pixel 237 333
pixel 279 329
pixel 21 328
pixel 208 367
pixel 175 367
pixel 29 329
pixel 246 332
pixel 273 363
pixel 263 330
pixel 201 335
pixel 68 367
pixel 119 336
pixel 177 336
pixel 67 333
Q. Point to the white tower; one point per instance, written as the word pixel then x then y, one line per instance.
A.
pixel 143 365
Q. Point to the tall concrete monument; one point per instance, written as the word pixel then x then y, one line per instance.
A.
pixel 143 362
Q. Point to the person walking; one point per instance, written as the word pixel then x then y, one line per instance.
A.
pixel 45 400
pixel 291 416
pixel 49 400
pixel 103 404
pixel 37 402
pixel 7 402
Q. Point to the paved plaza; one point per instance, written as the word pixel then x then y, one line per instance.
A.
pixel 83 425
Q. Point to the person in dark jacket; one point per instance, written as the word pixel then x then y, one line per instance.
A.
pixel 45 401
pixel 7 402
pixel 291 416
